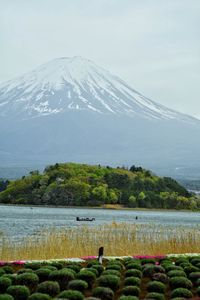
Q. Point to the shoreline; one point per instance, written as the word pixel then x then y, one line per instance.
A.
pixel 105 206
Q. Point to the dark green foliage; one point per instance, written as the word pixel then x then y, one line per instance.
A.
pixel 160 277
pixel 148 261
pixel 51 288
pixel 9 276
pixel 190 269
pixel 43 274
pixel 71 295
pixel 87 276
pixel 173 267
pixel 4 284
pixel 63 277
pixel 128 298
pixel 94 271
pixel 92 298
pixel 198 291
pixel 2 272
pixel 57 265
pixel 181 292
pixel 133 266
pixel 149 270
pixel 39 296
pixel 25 270
pixel 155 296
pixel 195 261
pixel 81 184
pixel 179 298
pixel 198 282
pixel 111 272
pixel 99 268
pixel 110 281
pixel 182 282
pixel 194 276
pixel 8 270
pixel 52 268
pixel 103 293
pixel 6 297
pixel 33 266
pixel 74 267
pixel 19 292
pixel 176 273
pixel 131 290
pixel 29 279
pixel 156 286
pixel 181 260
pixel 113 267
pixel 134 273
pixel 132 281
pixel 78 284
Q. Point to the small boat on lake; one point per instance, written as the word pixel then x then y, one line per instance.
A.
pixel 85 219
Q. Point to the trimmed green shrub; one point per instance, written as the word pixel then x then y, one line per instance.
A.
pixel 194 276
pixel 87 276
pixel 78 284
pixel 94 271
pixel 99 268
pixel 43 274
pixel 92 298
pixel 156 286
pixel 6 297
pixel 133 272
pixel 134 266
pixel 152 269
pixel 198 282
pixel 63 277
pixel 71 295
pixel 155 296
pixel 39 296
pixel 176 273
pixel 111 272
pixel 52 268
pixel 131 290
pixel 93 262
pixel 74 267
pixel 195 261
pixel 115 262
pixel 24 270
pixel 128 298
pixel 19 292
pixel 179 298
pixel 9 276
pixel 2 272
pixel 31 280
pixel 173 267
pixel 110 281
pixel 160 277
pixel 113 267
pixel 191 269
pixel 180 282
pixel 181 292
pixel 4 284
pixel 148 261
pixel 8 269
pixel 103 293
pixel 181 260
pixel 33 265
pixel 132 281
pixel 57 265
pixel 51 288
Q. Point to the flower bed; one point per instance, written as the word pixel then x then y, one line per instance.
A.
pixel 119 278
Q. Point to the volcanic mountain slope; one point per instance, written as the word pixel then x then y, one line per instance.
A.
pixel 72 109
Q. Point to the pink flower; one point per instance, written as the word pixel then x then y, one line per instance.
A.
pixel 2 263
pixel 89 257
pixel 18 262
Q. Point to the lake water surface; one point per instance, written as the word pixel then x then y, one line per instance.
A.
pixel 18 222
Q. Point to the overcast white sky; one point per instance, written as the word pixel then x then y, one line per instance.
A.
pixel 154 45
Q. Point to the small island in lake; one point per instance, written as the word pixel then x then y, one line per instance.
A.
pixel 72 184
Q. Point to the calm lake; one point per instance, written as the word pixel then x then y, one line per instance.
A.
pixel 18 222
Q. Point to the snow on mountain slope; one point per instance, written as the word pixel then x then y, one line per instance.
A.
pixel 76 83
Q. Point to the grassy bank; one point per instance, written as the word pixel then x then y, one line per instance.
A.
pixel 117 239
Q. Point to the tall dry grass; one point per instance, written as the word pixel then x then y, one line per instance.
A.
pixel 118 239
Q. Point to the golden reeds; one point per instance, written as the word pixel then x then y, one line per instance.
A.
pixel 118 239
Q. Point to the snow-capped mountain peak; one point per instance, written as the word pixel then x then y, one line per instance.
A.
pixel 76 83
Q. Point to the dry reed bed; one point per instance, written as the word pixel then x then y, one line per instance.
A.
pixel 118 239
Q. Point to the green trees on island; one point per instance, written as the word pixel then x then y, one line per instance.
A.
pixel 71 184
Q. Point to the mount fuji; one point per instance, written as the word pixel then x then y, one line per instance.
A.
pixel 70 109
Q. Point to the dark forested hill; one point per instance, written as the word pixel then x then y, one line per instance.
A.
pixel 71 184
